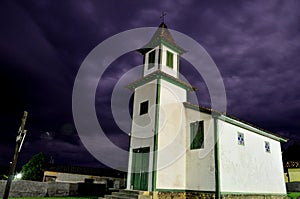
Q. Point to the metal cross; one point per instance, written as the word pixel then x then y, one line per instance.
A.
pixel 163 14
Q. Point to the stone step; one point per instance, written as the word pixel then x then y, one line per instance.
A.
pixel 119 197
pixel 128 194
pixel 137 192
pixel 125 194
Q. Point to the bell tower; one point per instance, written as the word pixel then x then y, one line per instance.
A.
pixel 157 130
pixel 162 53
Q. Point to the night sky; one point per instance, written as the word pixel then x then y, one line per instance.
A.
pixel 255 45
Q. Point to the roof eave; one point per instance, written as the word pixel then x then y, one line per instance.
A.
pixel 160 74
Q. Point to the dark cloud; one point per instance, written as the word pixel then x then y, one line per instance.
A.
pixel 255 45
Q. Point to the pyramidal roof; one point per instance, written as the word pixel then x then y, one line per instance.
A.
pixel 162 35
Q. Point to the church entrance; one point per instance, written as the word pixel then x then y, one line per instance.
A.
pixel 140 168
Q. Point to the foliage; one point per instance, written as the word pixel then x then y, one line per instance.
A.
pixel 3 177
pixel 33 169
pixel 294 195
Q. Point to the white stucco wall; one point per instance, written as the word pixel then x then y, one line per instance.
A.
pixel 142 129
pixel 249 168
pixel 200 165
pixel 171 138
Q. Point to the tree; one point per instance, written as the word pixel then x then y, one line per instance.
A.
pixel 33 169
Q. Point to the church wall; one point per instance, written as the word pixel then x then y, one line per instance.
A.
pixel 200 169
pixel 249 168
pixel 142 129
pixel 171 138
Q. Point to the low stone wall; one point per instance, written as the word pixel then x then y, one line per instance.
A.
pixel 58 189
pixel 25 188
pixel 293 186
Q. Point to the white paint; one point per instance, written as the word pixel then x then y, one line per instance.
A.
pixel 243 168
pixel 142 129
pixel 171 139
pixel 249 168
pixel 200 169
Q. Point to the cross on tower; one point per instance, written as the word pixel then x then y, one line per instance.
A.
pixel 163 14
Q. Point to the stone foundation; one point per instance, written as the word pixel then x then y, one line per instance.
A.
pixel 203 195
pixel 256 196
pixel 183 195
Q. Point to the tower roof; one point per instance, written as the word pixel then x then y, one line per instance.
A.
pixel 162 35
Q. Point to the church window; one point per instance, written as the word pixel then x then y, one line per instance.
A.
pixel 241 139
pixel 267 147
pixel 169 59
pixel 144 107
pixel 151 59
pixel 197 135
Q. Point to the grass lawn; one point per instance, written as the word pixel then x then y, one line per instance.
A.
pixel 294 195
pixel 60 198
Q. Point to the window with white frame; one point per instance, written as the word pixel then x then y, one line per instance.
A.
pixel 267 147
pixel 169 59
pixel 241 138
pixel 197 135
pixel 151 59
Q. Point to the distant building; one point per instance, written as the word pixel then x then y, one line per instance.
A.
pixel 177 148
pixel 76 174
pixel 292 171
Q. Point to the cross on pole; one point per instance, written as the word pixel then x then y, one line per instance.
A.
pixel 163 14
pixel 19 141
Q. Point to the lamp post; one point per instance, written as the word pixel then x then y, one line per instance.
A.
pixel 19 142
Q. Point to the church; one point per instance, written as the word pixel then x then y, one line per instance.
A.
pixel 183 150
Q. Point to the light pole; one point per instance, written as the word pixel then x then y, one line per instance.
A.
pixel 19 142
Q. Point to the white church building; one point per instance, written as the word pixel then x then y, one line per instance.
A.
pixel 182 150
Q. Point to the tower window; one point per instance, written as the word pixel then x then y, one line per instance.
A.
pixel 197 135
pixel 169 59
pixel 144 107
pixel 267 147
pixel 241 139
pixel 151 59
